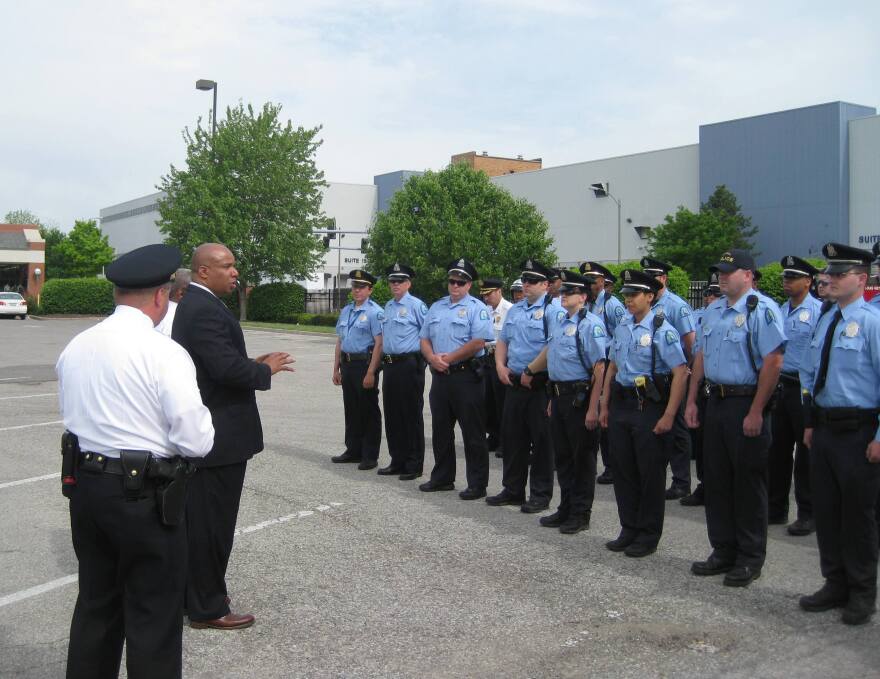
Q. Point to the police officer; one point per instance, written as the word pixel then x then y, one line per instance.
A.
pixel 839 376
pixel 403 381
pixel 356 364
pixel 124 387
pixel 606 306
pixel 575 360
pixel 800 313
pixel 525 426
pixel 644 386
pixel 516 291
pixel 711 292
pixel 491 292
pixel 455 331
pixel 739 354
pixel 555 283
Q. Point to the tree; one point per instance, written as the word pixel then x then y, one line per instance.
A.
pixel 21 217
pixel 441 216
pixel 253 187
pixel 695 240
pixel 84 252
pixel 56 265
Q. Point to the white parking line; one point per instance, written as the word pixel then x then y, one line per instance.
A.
pixel 7 379
pixel 8 398
pixel 35 424
pixel 39 589
pixel 33 479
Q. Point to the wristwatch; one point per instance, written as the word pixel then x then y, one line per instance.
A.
pixel 528 371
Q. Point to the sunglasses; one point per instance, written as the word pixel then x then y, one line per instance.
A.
pixel 531 280
pixel 822 284
pixel 457 283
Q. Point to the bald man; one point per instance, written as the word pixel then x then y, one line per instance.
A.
pixel 227 379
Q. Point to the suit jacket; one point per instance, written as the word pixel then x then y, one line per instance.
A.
pixel 227 378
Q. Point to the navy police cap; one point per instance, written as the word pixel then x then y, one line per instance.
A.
pixel 842 258
pixel 638 281
pixel 361 277
pixel 146 267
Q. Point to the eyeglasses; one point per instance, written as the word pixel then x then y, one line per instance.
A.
pixel 395 281
pixel 822 284
pixel 531 280
pixel 843 275
pixel 457 283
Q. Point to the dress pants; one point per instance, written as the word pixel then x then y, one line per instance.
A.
pixel 495 392
pixel 604 447
pixel 132 571
pixel 788 436
pixel 678 448
pixel 845 487
pixel 363 419
pixel 526 428
pixel 403 396
pixel 697 436
pixel 639 466
pixel 212 500
pixel 458 397
pixel 575 449
pixel 735 468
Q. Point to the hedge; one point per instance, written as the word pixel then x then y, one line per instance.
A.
pixel 77 296
pixel 276 302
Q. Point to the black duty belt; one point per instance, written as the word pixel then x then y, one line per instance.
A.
pixel 790 379
pixel 454 368
pixel 729 390
pixel 835 417
pixel 98 462
pixel 399 358
pixel 350 358
pixel 626 393
pixel 566 388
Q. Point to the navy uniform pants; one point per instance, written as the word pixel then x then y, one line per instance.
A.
pixel 697 436
pixel 678 448
pixel 132 571
pixel 575 449
pixel 735 469
pixel 639 466
pixel 494 395
pixel 528 448
pixel 845 487
pixel 363 419
pixel 788 436
pixel 458 397
pixel 403 396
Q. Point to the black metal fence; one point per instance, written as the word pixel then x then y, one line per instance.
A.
pixel 326 301
pixel 695 294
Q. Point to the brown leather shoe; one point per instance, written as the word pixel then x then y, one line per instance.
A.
pixel 230 621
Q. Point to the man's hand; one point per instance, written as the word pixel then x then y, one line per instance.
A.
pixel 752 424
pixel 873 453
pixel 278 361
pixel 808 437
pixel 337 376
pixel 603 417
pixel 504 376
pixel 591 421
pixel 525 381
pixel 369 380
pixel 438 362
pixel 691 415
pixel 664 424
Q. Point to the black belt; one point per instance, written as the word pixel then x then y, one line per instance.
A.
pixel 98 462
pixel 729 390
pixel 790 378
pixel 832 417
pixel 626 393
pixel 539 381
pixel 454 368
pixel 349 358
pixel 566 388
pixel 397 358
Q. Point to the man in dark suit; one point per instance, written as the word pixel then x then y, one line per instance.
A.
pixel 227 380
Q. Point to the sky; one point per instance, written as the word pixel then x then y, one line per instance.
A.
pixel 95 94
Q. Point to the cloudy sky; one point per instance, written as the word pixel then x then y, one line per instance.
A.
pixel 95 94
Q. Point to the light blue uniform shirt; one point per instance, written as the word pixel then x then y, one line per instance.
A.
pixel 875 300
pixel 523 330
pixel 632 354
pixel 853 377
pixel 799 324
pixel 678 312
pixel 452 325
pixel 403 322
pixel 563 361
pixel 609 309
pixel 358 326
pixel 722 339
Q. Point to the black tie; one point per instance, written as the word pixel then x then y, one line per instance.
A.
pixel 826 353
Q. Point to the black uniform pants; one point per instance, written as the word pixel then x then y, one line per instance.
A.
pixel 678 447
pixel 495 392
pixel 735 467
pixel 788 436
pixel 697 438
pixel 639 467
pixel 525 429
pixel 575 449
pixel 363 419
pixel 212 500
pixel 845 487
pixel 132 571
pixel 403 396
pixel 458 397
pixel 604 446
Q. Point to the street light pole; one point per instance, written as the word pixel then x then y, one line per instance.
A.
pixel 204 86
pixel 601 190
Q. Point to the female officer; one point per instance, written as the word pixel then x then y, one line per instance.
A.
pixel 644 383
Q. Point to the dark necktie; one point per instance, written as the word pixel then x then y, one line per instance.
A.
pixel 826 353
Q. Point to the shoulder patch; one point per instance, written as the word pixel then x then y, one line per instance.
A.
pixel 598 331
pixel 769 316
pixel 484 315
pixel 671 337
pixel 424 308
pixel 560 316
pixel 381 315
pixel 685 311
pixel 619 312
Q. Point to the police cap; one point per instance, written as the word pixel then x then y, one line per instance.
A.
pixel 516 285
pixel 534 269
pixel 639 281
pixel 146 267
pixel 463 268
pixel 795 267
pixel 360 277
pixel 734 259
pixel 841 258
pixel 490 284
pixel 654 266
pixel 594 269
pixel 572 282
pixel 399 272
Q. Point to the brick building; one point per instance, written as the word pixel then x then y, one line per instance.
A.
pixel 495 166
pixel 22 258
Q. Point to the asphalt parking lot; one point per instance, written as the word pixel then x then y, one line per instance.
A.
pixel 354 575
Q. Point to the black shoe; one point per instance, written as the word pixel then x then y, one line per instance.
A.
pixel 802 527
pixel 830 596
pixel 534 506
pixel 620 543
pixel 858 611
pixel 472 493
pixel 345 457
pixel 574 524
pixel 409 476
pixel 741 576
pixel 431 487
pixel 695 499
pixel 779 520
pixel 505 497
pixel 677 493
pixel 499 453
pixel 368 464
pixel 390 470
pixel 555 520
pixel 605 478
pixel 711 566
pixel 639 549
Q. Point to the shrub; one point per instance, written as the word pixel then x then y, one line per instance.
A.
pixel 325 319
pixel 679 281
pixel 276 302
pixel 77 296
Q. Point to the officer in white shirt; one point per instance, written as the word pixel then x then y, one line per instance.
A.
pixel 182 278
pixel 129 395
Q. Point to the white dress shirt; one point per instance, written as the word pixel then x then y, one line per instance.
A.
pixel 165 324
pixel 123 386
pixel 499 314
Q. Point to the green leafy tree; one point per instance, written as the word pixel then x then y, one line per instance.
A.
pixel 253 187
pixel 56 264
pixel 84 252
pixel 441 216
pixel 21 217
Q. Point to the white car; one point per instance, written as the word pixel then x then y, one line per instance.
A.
pixel 13 304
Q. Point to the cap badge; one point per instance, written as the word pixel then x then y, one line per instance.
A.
pixel 587 266
pixel 789 261
pixel 740 320
pixel 529 264
pixel 563 275
pixel 831 250
pixel 396 266
pixel 645 340
pixel 571 330
pixel 852 329
pixel 461 263
pixel 727 257
pixel 357 273
pixel 804 316
pixel 626 275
